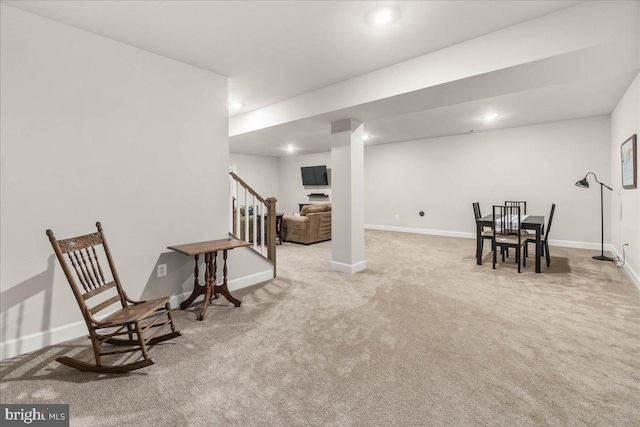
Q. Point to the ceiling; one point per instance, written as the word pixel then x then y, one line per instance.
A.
pixel 564 87
pixel 274 51
pixel 542 105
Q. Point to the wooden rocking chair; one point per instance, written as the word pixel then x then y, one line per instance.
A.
pixel 134 319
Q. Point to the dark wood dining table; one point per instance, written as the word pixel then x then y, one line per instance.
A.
pixel 210 289
pixel 531 222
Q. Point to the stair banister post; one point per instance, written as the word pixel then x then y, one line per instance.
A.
pixel 246 215
pixel 237 228
pixel 254 209
pixel 271 230
pixel 262 228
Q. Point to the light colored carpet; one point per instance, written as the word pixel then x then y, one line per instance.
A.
pixel 424 336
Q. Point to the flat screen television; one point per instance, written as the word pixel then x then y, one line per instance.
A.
pixel 314 175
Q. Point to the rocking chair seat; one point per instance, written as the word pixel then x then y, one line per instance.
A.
pixel 133 313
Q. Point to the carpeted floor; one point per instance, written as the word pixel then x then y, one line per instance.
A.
pixel 424 336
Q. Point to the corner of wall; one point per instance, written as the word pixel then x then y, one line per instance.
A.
pixel 625 203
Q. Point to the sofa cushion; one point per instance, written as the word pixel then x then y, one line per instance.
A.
pixel 311 209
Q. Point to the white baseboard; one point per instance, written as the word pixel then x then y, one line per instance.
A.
pixel 348 268
pixel 421 231
pixel 465 235
pixel 579 245
pixel 38 340
pixel 254 279
pixel 633 275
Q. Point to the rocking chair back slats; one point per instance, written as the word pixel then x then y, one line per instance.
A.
pixel 85 259
pixel 95 267
pixel 87 267
pixel 82 263
pixel 90 281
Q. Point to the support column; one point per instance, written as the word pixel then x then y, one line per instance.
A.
pixel 347 194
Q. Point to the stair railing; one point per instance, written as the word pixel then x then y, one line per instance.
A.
pixel 260 212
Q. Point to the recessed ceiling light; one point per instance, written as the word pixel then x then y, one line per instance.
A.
pixel 366 137
pixel 290 148
pixel 383 16
pixel 235 104
pixel 490 117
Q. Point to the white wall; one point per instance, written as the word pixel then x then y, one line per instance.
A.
pixel 292 192
pixel 625 207
pixel 444 176
pixel 94 130
pixel 259 172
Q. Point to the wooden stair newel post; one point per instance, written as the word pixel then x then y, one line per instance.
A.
pixel 271 230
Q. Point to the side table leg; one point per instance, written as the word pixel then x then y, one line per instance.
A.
pixel 215 273
pixel 197 289
pixel 207 286
pixel 223 289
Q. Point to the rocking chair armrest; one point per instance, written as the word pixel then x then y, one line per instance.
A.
pixel 101 323
pixel 95 322
pixel 129 300
pixel 98 324
pixel 89 316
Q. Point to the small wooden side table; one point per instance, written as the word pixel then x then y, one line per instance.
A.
pixel 210 290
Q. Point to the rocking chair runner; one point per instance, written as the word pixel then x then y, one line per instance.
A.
pixel 134 319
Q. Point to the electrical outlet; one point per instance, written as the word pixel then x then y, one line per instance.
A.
pixel 397 216
pixel 161 270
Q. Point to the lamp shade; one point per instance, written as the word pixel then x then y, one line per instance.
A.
pixel 583 183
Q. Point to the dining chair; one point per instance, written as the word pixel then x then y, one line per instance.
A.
pixel 544 237
pixel 507 233
pixel 523 211
pixel 130 323
pixel 521 203
pixel 484 234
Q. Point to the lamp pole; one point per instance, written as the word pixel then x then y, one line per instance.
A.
pixel 583 183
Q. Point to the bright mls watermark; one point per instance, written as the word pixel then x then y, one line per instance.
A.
pixel 34 415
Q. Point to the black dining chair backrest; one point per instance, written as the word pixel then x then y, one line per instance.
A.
pixel 553 209
pixel 506 220
pixel 521 203
pixel 507 232
pixel 476 210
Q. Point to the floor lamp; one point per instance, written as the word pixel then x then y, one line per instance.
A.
pixel 583 183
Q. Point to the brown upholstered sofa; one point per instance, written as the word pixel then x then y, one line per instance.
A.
pixel 311 226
